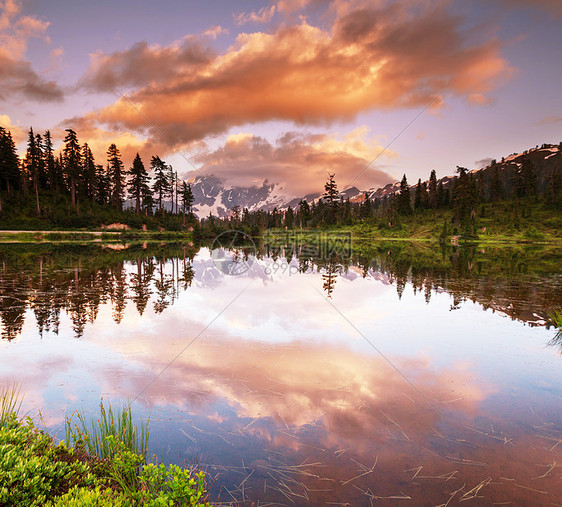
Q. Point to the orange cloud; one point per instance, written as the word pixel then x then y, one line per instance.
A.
pixel 17 76
pixel 249 160
pixel 18 134
pixel 381 56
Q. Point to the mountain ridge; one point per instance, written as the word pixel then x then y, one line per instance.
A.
pixel 212 195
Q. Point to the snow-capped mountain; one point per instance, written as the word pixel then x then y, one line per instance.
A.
pixel 214 196
pixel 211 195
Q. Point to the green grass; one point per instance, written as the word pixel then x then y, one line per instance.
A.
pixel 556 318
pixel 119 425
pixel 523 221
pixel 10 402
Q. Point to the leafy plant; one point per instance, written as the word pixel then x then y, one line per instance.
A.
pixel 34 470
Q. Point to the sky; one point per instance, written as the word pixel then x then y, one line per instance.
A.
pixel 287 91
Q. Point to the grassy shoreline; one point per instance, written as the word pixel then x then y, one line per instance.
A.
pixel 102 463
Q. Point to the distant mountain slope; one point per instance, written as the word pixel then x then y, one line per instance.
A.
pixel 212 195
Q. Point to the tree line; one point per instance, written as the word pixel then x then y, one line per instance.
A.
pixel 75 173
pixel 462 195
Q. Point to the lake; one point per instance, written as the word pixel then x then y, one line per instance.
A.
pixel 304 370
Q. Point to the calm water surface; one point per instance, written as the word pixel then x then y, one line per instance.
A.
pixel 400 374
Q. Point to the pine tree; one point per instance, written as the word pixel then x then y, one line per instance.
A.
pixel 9 162
pixel 526 179
pixel 161 186
pixel 102 185
pixel 331 190
pixel 186 195
pixel 432 190
pixel 50 168
pixel 172 178
pixel 147 199
pixel 137 182
pixel 289 218
pixel 116 177
pixel 41 165
pixel 465 198
pixel 303 213
pixel 331 198
pixel 404 202
pixel 442 196
pixel 87 186
pixel 72 162
pixel 32 165
pixel 418 195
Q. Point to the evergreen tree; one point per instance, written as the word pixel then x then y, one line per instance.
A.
pixel 161 186
pixel 102 185
pixel 365 209
pixel 147 200
pixel 418 196
pixel 331 198
pixel 289 218
pixel 442 196
pixel 137 182
pixel 72 162
pixel 9 162
pixel 347 212
pixel 303 213
pixel 404 202
pixel 41 165
pixel 526 179
pixel 87 186
pixel 432 190
pixel 187 198
pixel 54 180
pixel 32 164
pixel 424 196
pixel 331 191
pixel 116 172
pixel 465 198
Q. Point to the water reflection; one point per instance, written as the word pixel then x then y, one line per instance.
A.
pixel 78 279
pixel 276 394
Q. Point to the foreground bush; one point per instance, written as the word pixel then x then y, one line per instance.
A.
pixel 35 471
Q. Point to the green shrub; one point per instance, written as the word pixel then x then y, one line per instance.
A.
pixel 32 469
pixel 83 497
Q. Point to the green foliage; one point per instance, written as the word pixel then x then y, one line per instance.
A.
pixel 173 485
pixel 84 497
pixel 34 471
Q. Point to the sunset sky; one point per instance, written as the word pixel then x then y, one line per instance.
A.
pixel 288 90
